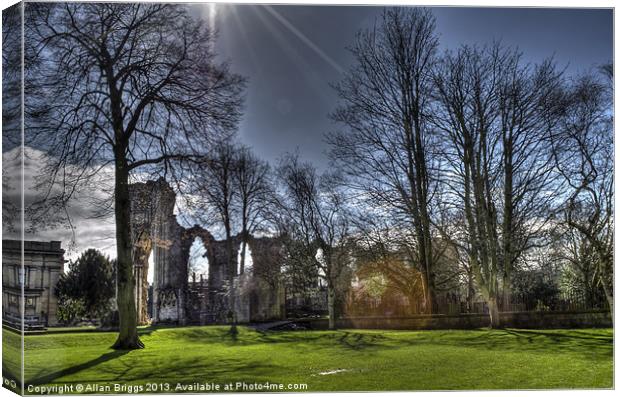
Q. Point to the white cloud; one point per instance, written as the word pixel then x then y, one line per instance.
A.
pixel 85 229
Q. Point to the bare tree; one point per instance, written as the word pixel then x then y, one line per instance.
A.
pixel 134 87
pixel 584 155
pixel 580 266
pixel 385 107
pixel 251 180
pixel 317 223
pixel 528 115
pixel 215 204
pixel 497 116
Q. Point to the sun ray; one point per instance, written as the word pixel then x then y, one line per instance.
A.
pixel 316 81
pixel 304 39
pixel 212 14
pixel 244 35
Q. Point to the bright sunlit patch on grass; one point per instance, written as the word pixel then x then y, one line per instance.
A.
pixel 335 371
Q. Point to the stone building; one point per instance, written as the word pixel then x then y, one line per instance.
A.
pixel 43 263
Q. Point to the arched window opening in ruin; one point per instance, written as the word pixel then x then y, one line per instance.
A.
pixel 150 276
pixel 246 264
pixel 198 262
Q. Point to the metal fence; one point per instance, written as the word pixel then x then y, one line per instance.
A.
pixel 558 302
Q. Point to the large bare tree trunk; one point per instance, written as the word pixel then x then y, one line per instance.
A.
pixel 507 225
pixel 429 292
pixel 417 176
pixel 506 290
pixel 126 301
pixel 331 304
pixel 494 312
pixel 471 291
pixel 421 191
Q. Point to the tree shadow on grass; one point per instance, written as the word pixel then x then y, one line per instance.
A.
pixel 553 341
pixel 590 343
pixel 220 335
pixel 77 368
pixel 313 339
pixel 359 341
pixel 349 340
pixel 187 371
pixel 149 329
pixel 595 344
pixel 585 334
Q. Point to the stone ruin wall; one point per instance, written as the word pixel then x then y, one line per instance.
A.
pixel 259 295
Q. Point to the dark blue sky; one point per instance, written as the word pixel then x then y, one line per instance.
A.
pixel 292 53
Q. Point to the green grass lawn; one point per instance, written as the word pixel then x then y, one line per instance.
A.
pixel 330 360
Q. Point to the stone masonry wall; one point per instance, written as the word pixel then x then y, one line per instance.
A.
pixel 590 319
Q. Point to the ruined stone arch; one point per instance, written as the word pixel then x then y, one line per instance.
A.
pixel 155 228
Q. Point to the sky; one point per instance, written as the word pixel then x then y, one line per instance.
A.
pixel 291 55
